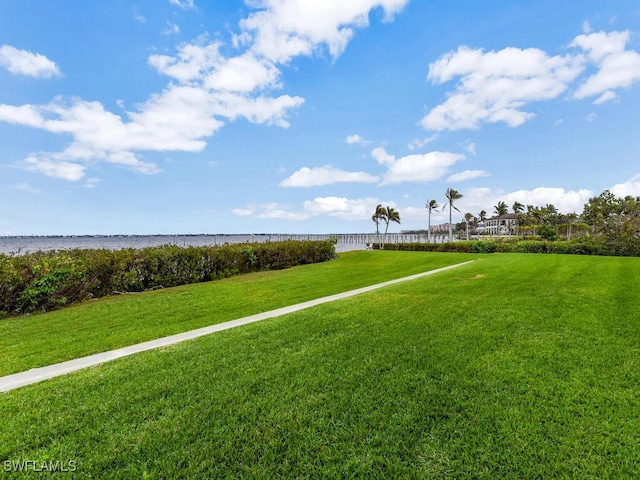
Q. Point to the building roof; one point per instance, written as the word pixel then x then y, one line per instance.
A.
pixel 508 216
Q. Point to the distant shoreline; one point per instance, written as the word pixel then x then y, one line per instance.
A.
pixel 20 244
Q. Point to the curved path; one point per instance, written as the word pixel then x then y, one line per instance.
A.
pixel 36 375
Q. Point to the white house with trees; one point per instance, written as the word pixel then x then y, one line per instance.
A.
pixel 501 225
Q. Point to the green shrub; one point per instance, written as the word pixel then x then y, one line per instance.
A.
pixel 581 246
pixel 42 281
pixel 547 232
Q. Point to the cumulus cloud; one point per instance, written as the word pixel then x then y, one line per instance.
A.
pixel 566 201
pixel 331 206
pixel 327 175
pixel 617 66
pixel 415 168
pixel 630 187
pixel 467 175
pixel 497 86
pixel 283 30
pixel 23 62
pixel 207 88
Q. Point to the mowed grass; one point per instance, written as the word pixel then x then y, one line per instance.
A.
pixel 109 323
pixel 514 366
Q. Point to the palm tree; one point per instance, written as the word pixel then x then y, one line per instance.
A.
pixel 390 215
pixel 467 218
pixel 376 217
pixel 517 209
pixel 501 210
pixel 430 206
pixel 452 195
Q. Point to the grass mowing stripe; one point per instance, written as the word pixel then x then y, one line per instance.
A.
pixel 515 366
pixel 116 322
pixel 11 382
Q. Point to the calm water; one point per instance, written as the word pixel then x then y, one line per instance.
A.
pixel 20 245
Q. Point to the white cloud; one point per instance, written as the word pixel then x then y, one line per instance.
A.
pixel 191 63
pixel 566 201
pixel 341 207
pixel 283 30
pixel 591 117
pixel 630 187
pixel 415 168
pixel 470 147
pixel 23 62
pixel 178 119
pixel 421 142
pixel 56 169
pixel 495 86
pixel 617 67
pixel 184 4
pixel 336 207
pixel 171 29
pixel 209 90
pixel 327 175
pixel 243 212
pixel 355 139
pixel 244 73
pixel 467 175
pixel 268 211
pixel 605 97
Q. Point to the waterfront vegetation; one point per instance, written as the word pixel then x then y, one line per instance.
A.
pixel 513 366
pixel 43 281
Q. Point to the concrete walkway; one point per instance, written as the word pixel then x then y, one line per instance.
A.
pixel 38 374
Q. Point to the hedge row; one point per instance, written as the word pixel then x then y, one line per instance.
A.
pixel 574 247
pixel 42 281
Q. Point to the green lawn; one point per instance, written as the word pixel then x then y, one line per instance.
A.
pixel 109 323
pixel 515 366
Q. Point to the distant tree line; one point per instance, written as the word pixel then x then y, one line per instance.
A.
pixel 611 223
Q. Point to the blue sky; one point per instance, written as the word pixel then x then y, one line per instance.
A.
pixel 265 116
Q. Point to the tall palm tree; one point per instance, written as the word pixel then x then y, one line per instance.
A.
pixel 500 210
pixel 517 208
pixel 376 217
pixel 467 218
pixel 482 218
pixel 390 215
pixel 452 195
pixel 430 206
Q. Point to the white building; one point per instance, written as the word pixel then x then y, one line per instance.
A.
pixel 504 225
